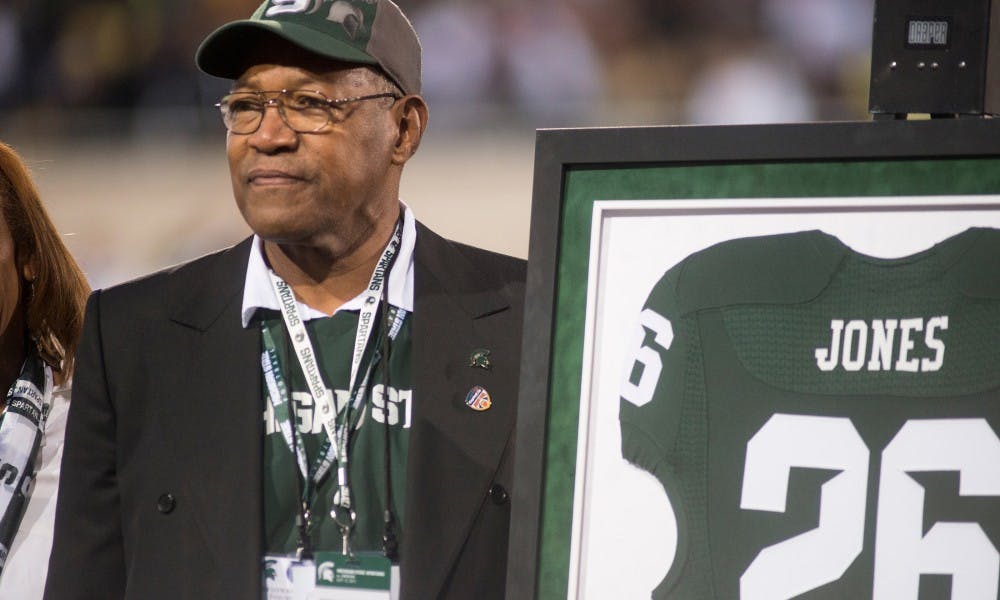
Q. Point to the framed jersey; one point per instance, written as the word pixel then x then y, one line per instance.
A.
pixel 761 362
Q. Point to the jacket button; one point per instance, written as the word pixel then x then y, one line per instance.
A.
pixel 498 494
pixel 165 503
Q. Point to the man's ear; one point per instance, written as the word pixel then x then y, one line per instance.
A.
pixel 411 118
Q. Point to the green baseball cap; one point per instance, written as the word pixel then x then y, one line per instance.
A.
pixel 371 32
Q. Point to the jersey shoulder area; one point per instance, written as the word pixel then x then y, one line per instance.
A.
pixel 977 272
pixel 784 268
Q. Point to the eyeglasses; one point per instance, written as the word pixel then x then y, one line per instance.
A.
pixel 304 111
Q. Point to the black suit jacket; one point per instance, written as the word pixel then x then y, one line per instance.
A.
pixel 161 484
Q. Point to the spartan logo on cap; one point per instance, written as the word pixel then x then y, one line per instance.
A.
pixel 345 12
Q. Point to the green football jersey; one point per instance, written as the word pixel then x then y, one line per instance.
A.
pixel 824 423
pixel 333 341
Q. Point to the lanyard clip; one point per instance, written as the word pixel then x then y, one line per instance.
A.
pixel 304 522
pixel 345 518
pixel 390 546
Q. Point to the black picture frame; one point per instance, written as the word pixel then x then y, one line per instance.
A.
pixel 560 153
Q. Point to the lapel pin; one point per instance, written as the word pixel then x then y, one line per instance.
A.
pixel 480 358
pixel 478 399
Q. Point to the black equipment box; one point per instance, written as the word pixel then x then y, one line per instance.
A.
pixel 935 56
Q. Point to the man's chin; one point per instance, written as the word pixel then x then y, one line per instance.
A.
pixel 281 236
pixel 273 224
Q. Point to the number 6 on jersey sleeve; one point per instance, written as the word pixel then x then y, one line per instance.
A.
pixel 648 359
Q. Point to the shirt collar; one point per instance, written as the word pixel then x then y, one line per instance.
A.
pixel 258 293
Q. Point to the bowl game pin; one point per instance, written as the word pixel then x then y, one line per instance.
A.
pixel 480 358
pixel 478 399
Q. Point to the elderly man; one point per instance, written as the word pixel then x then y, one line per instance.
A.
pixel 329 403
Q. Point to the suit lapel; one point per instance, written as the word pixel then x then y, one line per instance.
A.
pixel 454 450
pixel 215 422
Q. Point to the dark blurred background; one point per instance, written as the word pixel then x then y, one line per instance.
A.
pixel 103 99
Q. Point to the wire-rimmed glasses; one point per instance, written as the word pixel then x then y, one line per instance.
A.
pixel 304 111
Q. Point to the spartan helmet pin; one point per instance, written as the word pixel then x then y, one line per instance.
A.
pixel 480 358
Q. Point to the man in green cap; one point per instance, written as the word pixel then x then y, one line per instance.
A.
pixel 326 408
